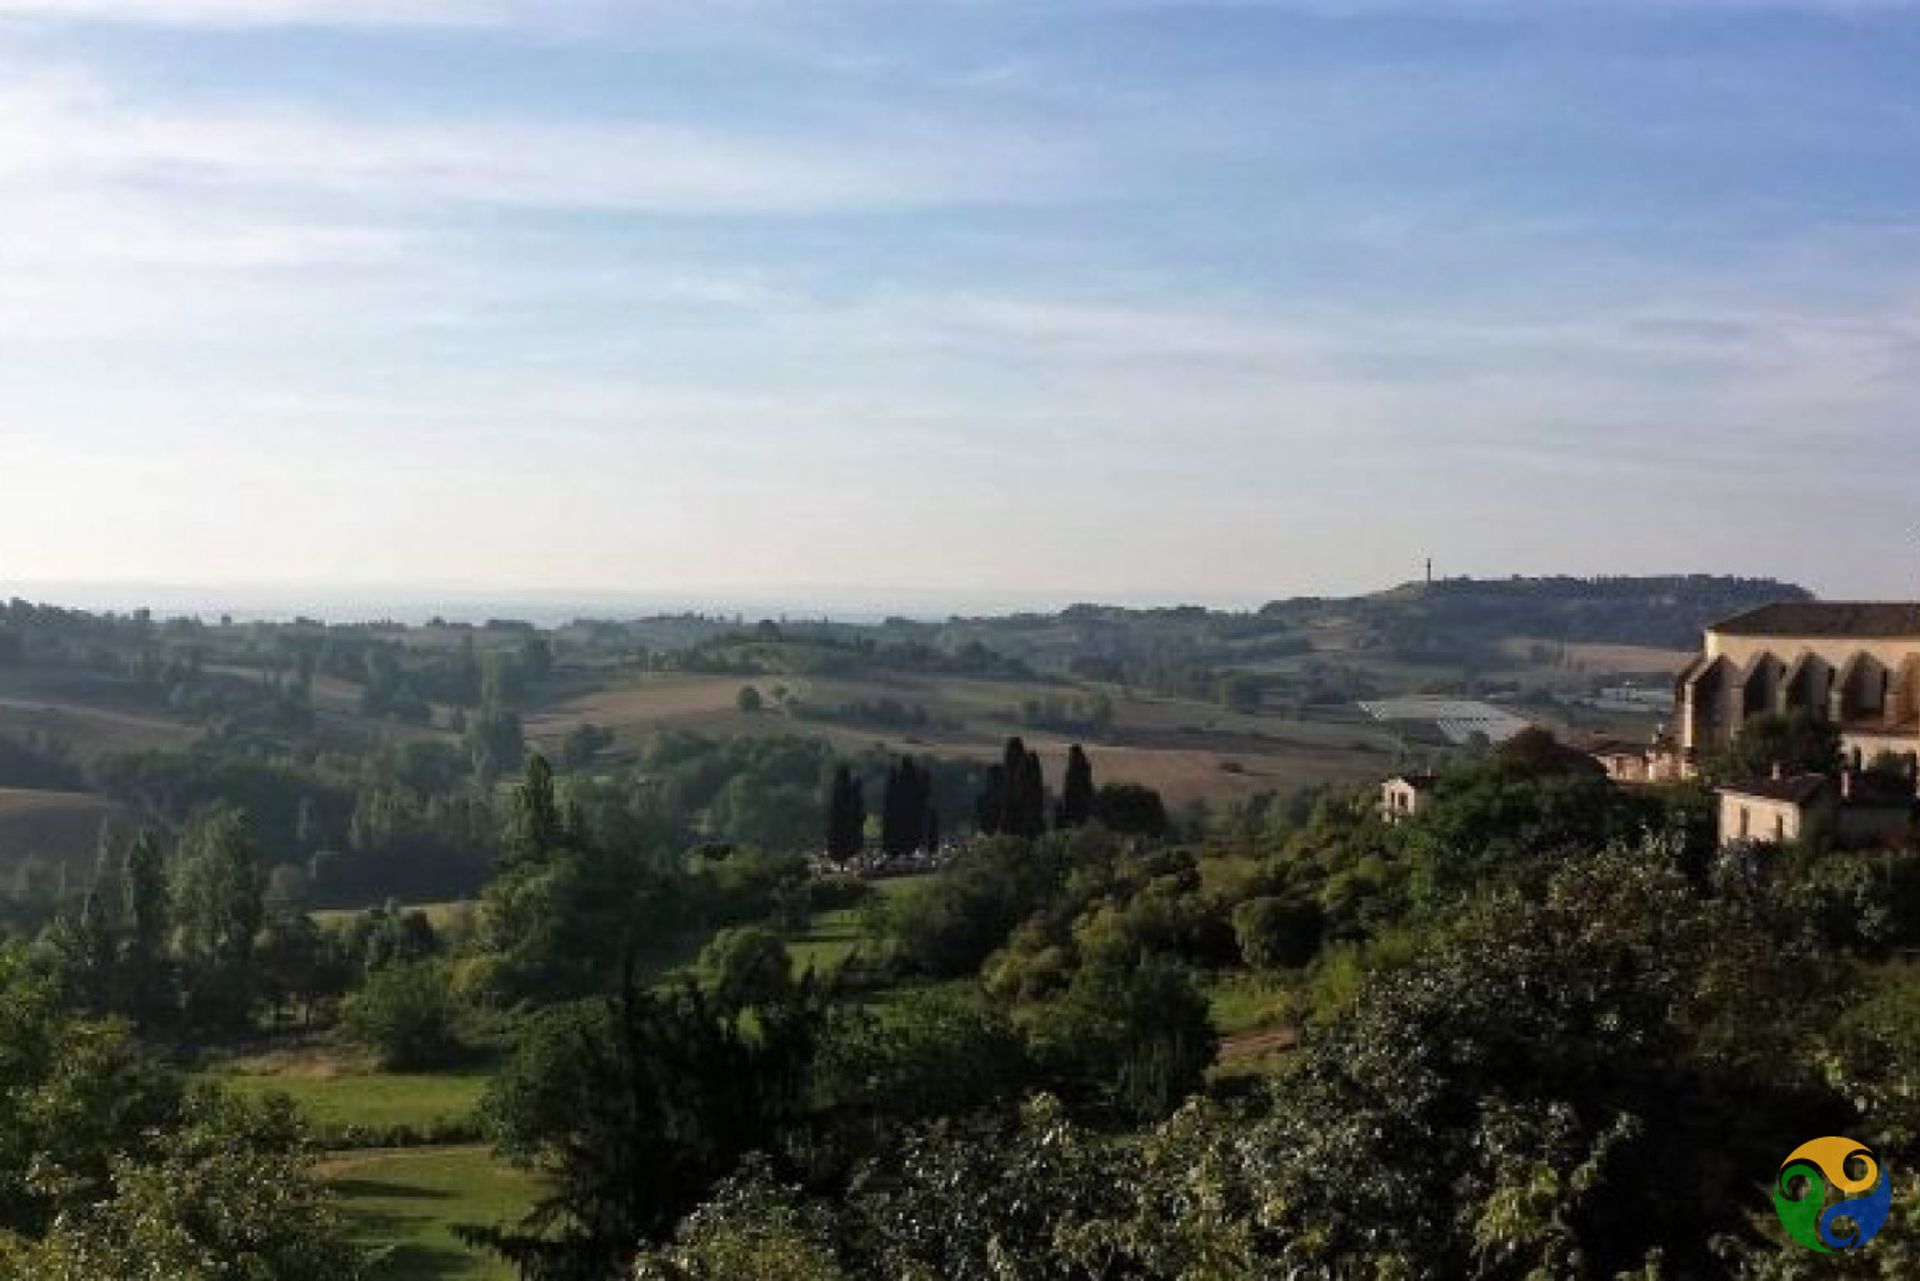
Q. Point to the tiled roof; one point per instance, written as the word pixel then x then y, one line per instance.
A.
pixel 1865 619
pixel 1797 789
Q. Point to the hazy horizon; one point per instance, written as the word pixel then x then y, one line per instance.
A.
pixel 414 603
pixel 1147 301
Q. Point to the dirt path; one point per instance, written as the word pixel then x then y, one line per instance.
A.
pixel 1248 1045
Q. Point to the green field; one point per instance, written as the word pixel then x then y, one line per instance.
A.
pixel 404 1200
pixel 407 1201
pixel 373 1100
pixel 834 936
pixel 442 916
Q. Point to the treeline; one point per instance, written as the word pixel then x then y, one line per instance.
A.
pixel 775 649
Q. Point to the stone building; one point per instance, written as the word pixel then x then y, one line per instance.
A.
pixel 1401 796
pixel 1855 664
pixel 1853 810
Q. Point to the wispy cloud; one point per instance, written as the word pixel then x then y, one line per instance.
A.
pixel 264 13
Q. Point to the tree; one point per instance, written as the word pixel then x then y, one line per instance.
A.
pixel 1136 1040
pixel 1130 809
pixel 408 1016
pixel 904 808
pixel 495 742
pixel 147 924
pixel 1027 792
pixel 220 904
pixel 634 1108
pixel 846 815
pixel 1278 933
pixel 749 700
pixel 583 743
pixel 990 808
pixel 1499 1104
pixel 746 967
pixel 1798 742
pixel 1076 790
pixel 74 1095
pixel 230 1195
pixel 563 907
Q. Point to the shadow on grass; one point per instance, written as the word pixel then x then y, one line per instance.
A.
pixel 381 1190
pixel 416 1262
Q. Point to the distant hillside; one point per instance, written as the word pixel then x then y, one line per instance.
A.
pixel 1663 612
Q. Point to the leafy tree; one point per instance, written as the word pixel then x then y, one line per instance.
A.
pixel 753 1227
pixel 219 897
pixel 408 1016
pixel 583 743
pixel 564 908
pixel 749 699
pixel 746 967
pixel 495 742
pixel 936 1053
pixel 1134 1040
pixel 1503 1102
pixel 230 1196
pixel 300 964
pixel 74 1094
pixel 1277 933
pixel 148 923
pixel 1798 742
pixel 635 1107
pixel 1130 809
pixel 1076 790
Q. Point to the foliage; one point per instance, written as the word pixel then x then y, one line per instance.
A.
pixel 1797 742
pixel 1130 809
pixel 1135 1041
pixel 408 1015
pixel 636 1106
pixel 846 815
pixel 746 967
pixel 228 1198
pixel 74 1094
pixel 1277 933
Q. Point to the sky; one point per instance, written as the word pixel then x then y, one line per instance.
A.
pixel 928 302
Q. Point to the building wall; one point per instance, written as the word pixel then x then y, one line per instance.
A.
pixel 1881 677
pixel 1755 818
pixel 1398 799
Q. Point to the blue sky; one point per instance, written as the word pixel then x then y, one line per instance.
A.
pixel 956 300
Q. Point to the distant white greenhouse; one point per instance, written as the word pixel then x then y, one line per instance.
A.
pixel 1459 719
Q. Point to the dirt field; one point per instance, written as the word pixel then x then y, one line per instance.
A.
pixel 1597 660
pixel 1187 750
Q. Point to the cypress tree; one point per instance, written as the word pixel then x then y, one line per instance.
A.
pixel 990 811
pixel 904 813
pixel 1030 806
pixel 846 815
pixel 1076 790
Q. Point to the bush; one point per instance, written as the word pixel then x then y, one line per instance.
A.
pixel 408 1016
pixel 746 967
pixel 1277 933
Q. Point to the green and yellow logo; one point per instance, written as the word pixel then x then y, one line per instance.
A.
pixel 1847 1169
